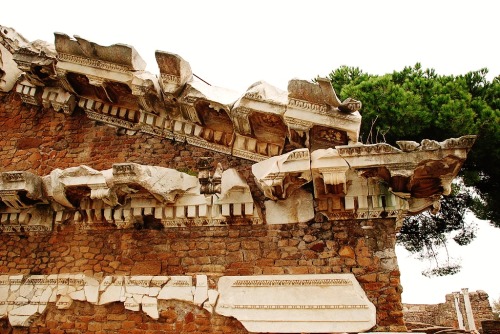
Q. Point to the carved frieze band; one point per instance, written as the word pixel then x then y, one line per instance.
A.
pixel 295 282
pixel 110 120
pixel 297 307
pixel 93 63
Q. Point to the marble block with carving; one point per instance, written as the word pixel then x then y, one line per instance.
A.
pixel 296 303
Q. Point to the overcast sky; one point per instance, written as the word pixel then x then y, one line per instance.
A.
pixel 233 44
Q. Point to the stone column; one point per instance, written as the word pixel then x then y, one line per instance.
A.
pixel 460 317
pixel 468 310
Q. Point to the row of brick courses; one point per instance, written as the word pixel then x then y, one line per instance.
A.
pixel 40 141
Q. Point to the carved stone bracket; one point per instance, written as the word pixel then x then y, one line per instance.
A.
pixel 279 176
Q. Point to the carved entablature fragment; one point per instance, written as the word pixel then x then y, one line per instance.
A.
pixel 204 120
pixel 258 121
pixel 235 201
pixel 22 205
pixel 20 190
pixel 109 75
pixel 128 195
pixel 279 176
pixel 317 119
pixel 369 181
pixel 175 72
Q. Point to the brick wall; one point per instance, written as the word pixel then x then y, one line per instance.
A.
pixel 40 141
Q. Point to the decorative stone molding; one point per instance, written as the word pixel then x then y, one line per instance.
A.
pixel 279 176
pixel 29 93
pixel 279 303
pixel 296 303
pixel 20 190
pixel 275 128
pixel 306 99
pixel 175 72
pixel 124 196
pixel 368 181
pixel 258 120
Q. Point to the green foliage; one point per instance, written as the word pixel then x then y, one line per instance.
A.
pixel 417 103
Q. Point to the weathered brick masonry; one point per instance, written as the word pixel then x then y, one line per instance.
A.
pixel 40 141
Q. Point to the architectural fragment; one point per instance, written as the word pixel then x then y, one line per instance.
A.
pixel 127 195
pixel 258 121
pixel 204 119
pixel 235 203
pixel 315 117
pixel 39 84
pixel 22 204
pixel 366 181
pixel 296 303
pixel 296 208
pixel 420 175
pixel 279 176
pixel 111 83
pixel 10 42
pixel 175 72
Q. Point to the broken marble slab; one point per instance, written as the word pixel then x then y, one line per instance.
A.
pixel 178 287
pixel 296 303
pixel 150 306
pixel 112 290
pixel 201 291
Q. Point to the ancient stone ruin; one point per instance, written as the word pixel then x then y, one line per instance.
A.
pixel 133 201
pixel 462 310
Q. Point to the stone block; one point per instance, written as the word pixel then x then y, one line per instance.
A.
pixel 296 303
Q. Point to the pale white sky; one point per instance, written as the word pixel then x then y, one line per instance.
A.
pixel 233 44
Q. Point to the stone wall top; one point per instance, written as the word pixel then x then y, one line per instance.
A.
pixel 302 135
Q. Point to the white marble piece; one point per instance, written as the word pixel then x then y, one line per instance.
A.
pixel 78 295
pixel 298 208
pixel 4 294
pixel 22 306
pixel 296 303
pixel 178 287
pixel 201 292
pixel 209 305
pixel 131 304
pixel 10 69
pixel 137 284
pixel 279 176
pixel 91 290
pixel 114 292
pixel 150 306
pixel 19 320
pixel 15 282
pixel 157 282
pixel 64 303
